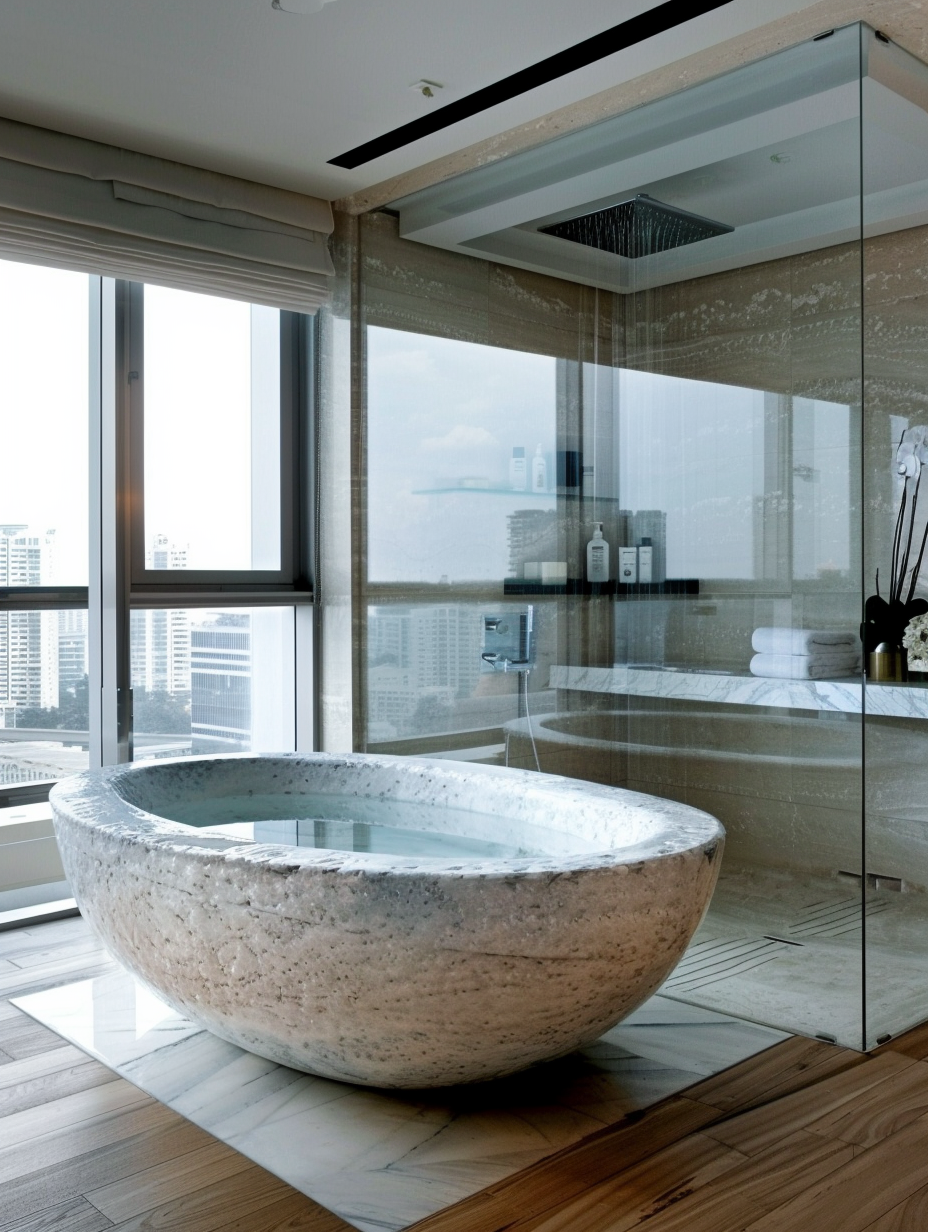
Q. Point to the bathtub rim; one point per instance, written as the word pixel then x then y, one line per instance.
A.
pixel 91 801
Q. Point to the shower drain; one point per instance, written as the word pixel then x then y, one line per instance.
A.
pixel 708 962
pixel 833 919
pixel 722 958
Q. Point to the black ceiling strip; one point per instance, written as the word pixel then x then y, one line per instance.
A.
pixel 618 38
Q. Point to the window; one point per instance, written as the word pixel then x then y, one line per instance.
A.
pixel 208 390
pixel 44 346
pixel 212 681
pixel 119 528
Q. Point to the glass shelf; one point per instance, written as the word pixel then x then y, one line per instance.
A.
pixel 521 494
pixel 579 586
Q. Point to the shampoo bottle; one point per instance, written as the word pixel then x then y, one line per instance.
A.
pixel 628 566
pixel 597 556
pixel 517 476
pixel 539 471
pixel 645 561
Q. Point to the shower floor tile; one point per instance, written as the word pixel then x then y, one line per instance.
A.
pixel 382 1160
pixel 786 949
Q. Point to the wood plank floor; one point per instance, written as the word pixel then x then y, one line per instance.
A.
pixel 82 1150
pixel 805 1137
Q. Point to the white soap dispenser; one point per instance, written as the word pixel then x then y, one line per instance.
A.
pixel 597 556
pixel 539 471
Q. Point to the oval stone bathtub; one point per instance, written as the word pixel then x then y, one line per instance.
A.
pixel 493 918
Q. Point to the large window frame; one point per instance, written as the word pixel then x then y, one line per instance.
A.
pixel 118 579
pixel 295 567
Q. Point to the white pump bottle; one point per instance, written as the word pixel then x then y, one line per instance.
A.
pixel 597 556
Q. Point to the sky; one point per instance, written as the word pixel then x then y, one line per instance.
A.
pixel 43 408
pixel 198 426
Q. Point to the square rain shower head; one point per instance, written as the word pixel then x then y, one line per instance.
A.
pixel 638 227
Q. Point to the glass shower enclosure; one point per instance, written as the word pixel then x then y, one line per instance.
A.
pixel 701 324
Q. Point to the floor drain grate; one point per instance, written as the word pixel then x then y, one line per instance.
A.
pixel 708 962
pixel 833 919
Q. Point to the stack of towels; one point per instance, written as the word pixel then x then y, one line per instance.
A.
pixel 804 654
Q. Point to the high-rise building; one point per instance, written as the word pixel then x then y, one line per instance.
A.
pixel 160 641
pixel 72 651
pixel 220 677
pixel 28 640
pixel 421 660
pixel 532 537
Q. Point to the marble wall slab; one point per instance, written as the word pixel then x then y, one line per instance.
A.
pixel 892 700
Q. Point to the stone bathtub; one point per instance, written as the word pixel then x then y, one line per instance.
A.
pixel 542 912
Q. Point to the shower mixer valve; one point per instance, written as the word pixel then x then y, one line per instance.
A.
pixel 508 642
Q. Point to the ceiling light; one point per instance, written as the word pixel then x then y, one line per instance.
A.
pixel 299 6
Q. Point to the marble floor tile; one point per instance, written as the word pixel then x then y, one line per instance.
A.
pixel 384 1159
pixel 789 948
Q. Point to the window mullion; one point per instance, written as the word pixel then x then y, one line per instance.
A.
pixel 109 534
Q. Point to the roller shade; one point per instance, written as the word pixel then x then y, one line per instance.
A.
pixel 83 205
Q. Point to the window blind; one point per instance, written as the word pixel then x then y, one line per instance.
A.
pixel 83 205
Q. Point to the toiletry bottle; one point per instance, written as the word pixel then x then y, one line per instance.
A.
pixel 645 561
pixel 628 566
pixel 539 471
pixel 597 556
pixel 517 475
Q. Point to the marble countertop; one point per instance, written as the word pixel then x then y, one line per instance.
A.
pixel 909 701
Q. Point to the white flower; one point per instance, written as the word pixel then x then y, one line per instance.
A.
pixel 915 640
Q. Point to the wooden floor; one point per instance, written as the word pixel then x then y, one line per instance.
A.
pixel 805 1137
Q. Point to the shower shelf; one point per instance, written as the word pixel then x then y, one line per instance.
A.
pixel 516 493
pixel 579 586
pixel 841 696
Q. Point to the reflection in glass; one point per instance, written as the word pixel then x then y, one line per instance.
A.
pixel 460 438
pixel 823 457
pixel 212 431
pixel 425 678
pixel 696 451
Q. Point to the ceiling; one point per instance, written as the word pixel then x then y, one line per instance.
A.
pixel 236 86
pixel 773 149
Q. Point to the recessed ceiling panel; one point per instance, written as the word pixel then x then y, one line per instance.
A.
pixel 771 151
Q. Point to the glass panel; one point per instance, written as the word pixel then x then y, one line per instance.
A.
pixel 695 453
pixel 461 455
pixel 895 144
pixel 739 429
pixel 707 395
pixel 44 722
pixel 44 348
pixel 212 681
pixel 212 433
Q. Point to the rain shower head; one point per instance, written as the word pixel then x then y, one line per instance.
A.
pixel 638 227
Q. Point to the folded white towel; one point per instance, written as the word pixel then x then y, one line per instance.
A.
pixel 801 641
pixel 804 667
